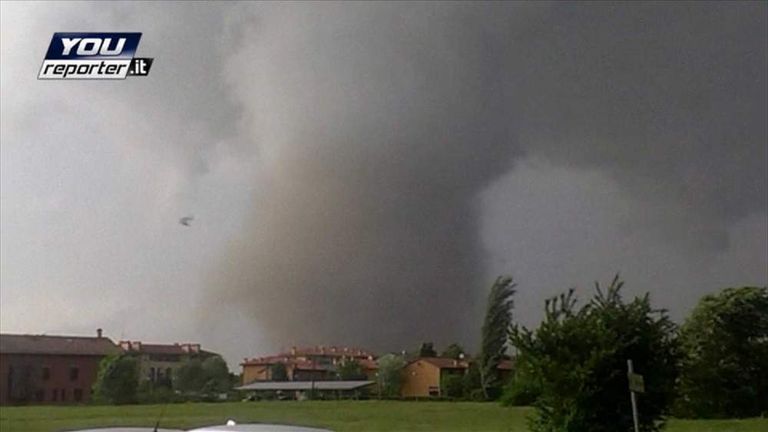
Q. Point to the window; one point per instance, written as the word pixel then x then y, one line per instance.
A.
pixel 46 373
pixel 63 394
pixel 169 374
pixel 74 373
pixel 152 374
pixel 40 395
pixel 54 395
pixel 78 394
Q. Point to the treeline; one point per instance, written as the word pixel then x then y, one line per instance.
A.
pixel 119 382
pixel 572 368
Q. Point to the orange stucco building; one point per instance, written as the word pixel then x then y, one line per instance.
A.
pixel 423 376
pixel 304 364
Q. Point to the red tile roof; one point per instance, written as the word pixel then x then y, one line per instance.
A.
pixel 368 364
pixel 161 349
pixel 294 355
pixel 329 350
pixel 56 345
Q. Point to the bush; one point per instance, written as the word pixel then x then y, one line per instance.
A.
pixel 522 390
pixel 581 357
pixel 451 386
pixel 472 388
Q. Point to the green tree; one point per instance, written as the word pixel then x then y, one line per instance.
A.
pixel 389 378
pixel 117 380
pixel 523 389
pixel 498 319
pixel 454 351
pixel 451 385
pixel 350 369
pixel 278 372
pixel 427 350
pixel 216 372
pixel 190 377
pixel 203 377
pixel 472 388
pixel 724 370
pixel 580 357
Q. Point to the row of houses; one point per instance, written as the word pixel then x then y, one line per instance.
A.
pixel 422 377
pixel 42 369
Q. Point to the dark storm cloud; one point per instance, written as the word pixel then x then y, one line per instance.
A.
pixel 382 124
pixel 385 122
pixel 359 172
pixel 668 99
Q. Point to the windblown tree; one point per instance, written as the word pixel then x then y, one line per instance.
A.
pixel 579 358
pixel 498 319
pixel 725 366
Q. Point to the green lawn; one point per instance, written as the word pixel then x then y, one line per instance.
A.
pixel 339 416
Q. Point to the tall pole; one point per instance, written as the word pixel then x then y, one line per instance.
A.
pixel 630 371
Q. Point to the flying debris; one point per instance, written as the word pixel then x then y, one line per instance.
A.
pixel 186 220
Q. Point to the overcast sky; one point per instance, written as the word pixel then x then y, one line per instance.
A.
pixel 360 173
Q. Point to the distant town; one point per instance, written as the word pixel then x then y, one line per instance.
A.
pixel 63 369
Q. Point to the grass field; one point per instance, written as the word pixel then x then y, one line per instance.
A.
pixel 339 416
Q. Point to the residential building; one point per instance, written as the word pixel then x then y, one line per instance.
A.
pixel 41 369
pixel 423 377
pixel 158 363
pixel 317 363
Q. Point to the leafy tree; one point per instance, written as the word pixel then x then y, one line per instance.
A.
pixel 472 388
pixel 580 356
pixel 454 351
pixel 451 385
pixel 523 389
pixel 278 372
pixel 498 318
pixel 389 378
pixel 206 377
pixel 216 372
pixel 350 369
pixel 724 371
pixel 427 350
pixel 117 380
pixel 190 377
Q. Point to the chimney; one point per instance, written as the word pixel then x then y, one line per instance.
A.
pixel 98 333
